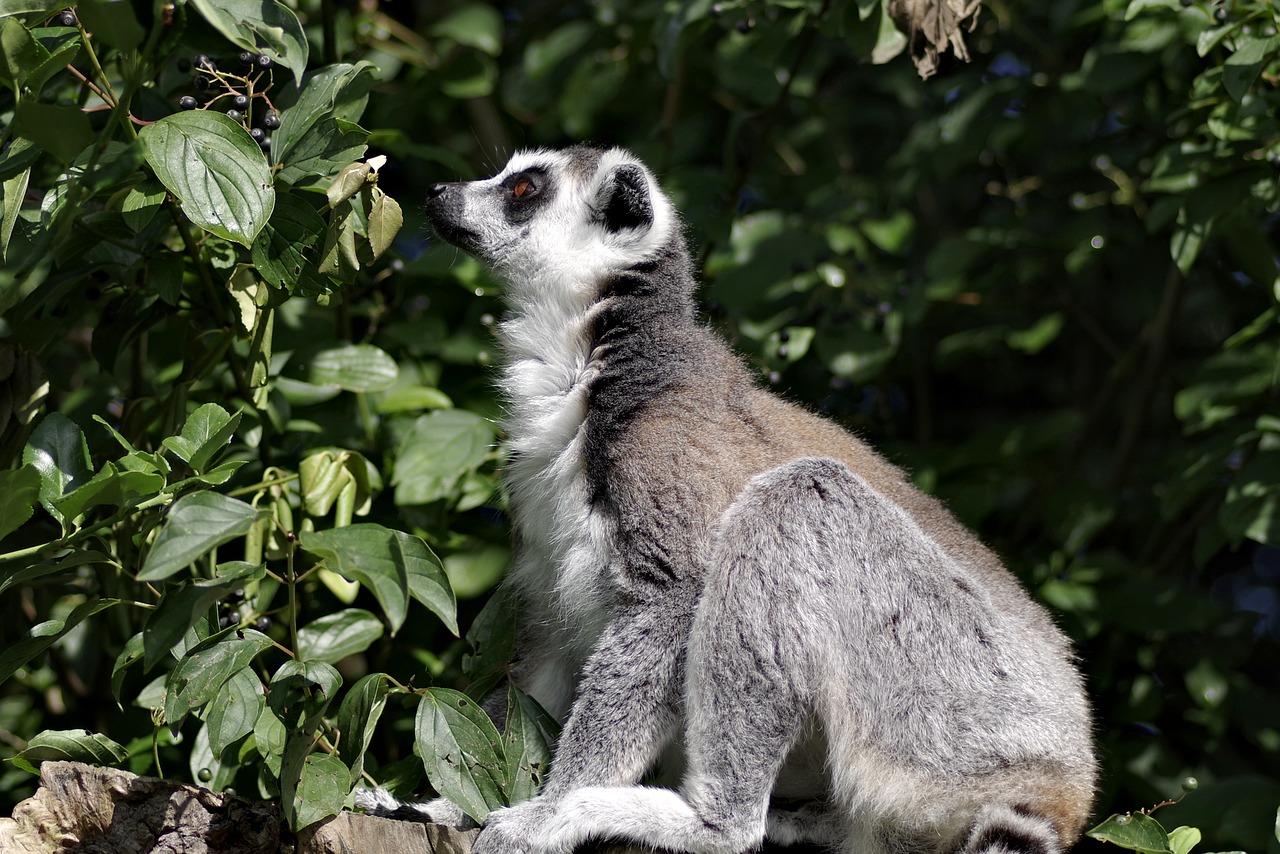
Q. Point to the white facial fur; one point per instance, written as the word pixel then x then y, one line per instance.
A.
pixel 563 251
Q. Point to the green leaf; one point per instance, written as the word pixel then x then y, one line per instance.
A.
pixel 112 21
pixel 58 451
pixel 109 486
pixel 1183 839
pixel 129 656
pixel 205 669
pixel 234 711
pixel 195 525
pixel 75 745
pixel 31 62
pixel 64 132
pixel 205 433
pixel 328 476
pixel 376 557
pixel 42 635
pixel 441 448
pixel 339 258
pixel 335 636
pixel 322 789
pixel 185 603
pixel 15 192
pixel 527 741
pixel 65 563
pixel 209 770
pixel 141 204
pixel 353 367
pixel 384 222
pixel 1137 832
pixel 322 151
pixel 492 641
pixel 476 570
pixel 414 398
pixel 287 250
pixel 271 738
pixel 461 751
pixel 215 169
pixel 428 582
pixel 300 692
pixel 357 720
pixel 262 26
pixel 331 92
pixel 474 25
pixel 19 492
pixel 1244 65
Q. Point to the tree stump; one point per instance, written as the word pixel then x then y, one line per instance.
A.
pixel 91 810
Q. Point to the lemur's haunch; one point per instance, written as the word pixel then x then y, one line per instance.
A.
pixel 704 565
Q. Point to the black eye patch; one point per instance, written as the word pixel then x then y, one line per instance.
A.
pixel 524 193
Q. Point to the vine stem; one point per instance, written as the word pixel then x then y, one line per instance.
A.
pixel 124 513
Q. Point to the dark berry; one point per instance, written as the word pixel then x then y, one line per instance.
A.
pixel 236 595
pixel 782 351
pixel 271 120
pixel 234 115
pixel 784 336
pixel 240 102
pixel 265 142
pixel 203 62
pixel 186 102
pixel 258 134
pixel 67 18
pixel 233 618
pixel 262 624
pixel 745 26
pixel 247 57
pixel 264 61
pixel 200 84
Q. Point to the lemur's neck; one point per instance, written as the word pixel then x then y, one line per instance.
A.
pixel 611 350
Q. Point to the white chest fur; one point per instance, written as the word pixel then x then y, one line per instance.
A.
pixel 564 547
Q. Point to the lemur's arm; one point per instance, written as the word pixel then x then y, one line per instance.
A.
pixel 627 704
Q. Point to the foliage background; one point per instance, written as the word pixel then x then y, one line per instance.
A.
pixel 1043 281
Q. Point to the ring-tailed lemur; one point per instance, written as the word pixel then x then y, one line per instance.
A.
pixel 700 561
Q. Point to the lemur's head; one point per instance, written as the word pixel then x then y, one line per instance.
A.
pixel 572 217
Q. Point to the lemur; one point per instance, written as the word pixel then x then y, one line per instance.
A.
pixel 703 563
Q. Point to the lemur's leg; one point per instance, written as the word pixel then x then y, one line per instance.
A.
pixel 752 667
pixel 625 712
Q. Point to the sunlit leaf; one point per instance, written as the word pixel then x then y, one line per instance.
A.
pixel 461 751
pixel 216 170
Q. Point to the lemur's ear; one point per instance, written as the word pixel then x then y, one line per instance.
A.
pixel 624 199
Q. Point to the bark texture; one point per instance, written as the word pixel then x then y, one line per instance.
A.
pixel 91 810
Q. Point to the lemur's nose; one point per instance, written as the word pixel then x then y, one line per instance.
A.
pixel 436 190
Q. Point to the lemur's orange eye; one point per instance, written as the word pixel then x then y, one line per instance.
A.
pixel 524 185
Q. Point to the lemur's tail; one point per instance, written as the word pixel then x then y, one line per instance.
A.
pixel 1002 829
pixel 381 802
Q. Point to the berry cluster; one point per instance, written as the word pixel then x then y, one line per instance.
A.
pixel 236 93
pixel 229 616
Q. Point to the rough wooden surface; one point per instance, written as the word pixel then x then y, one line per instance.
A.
pixel 90 810
pixel 87 809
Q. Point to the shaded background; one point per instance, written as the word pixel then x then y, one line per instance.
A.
pixel 1043 281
